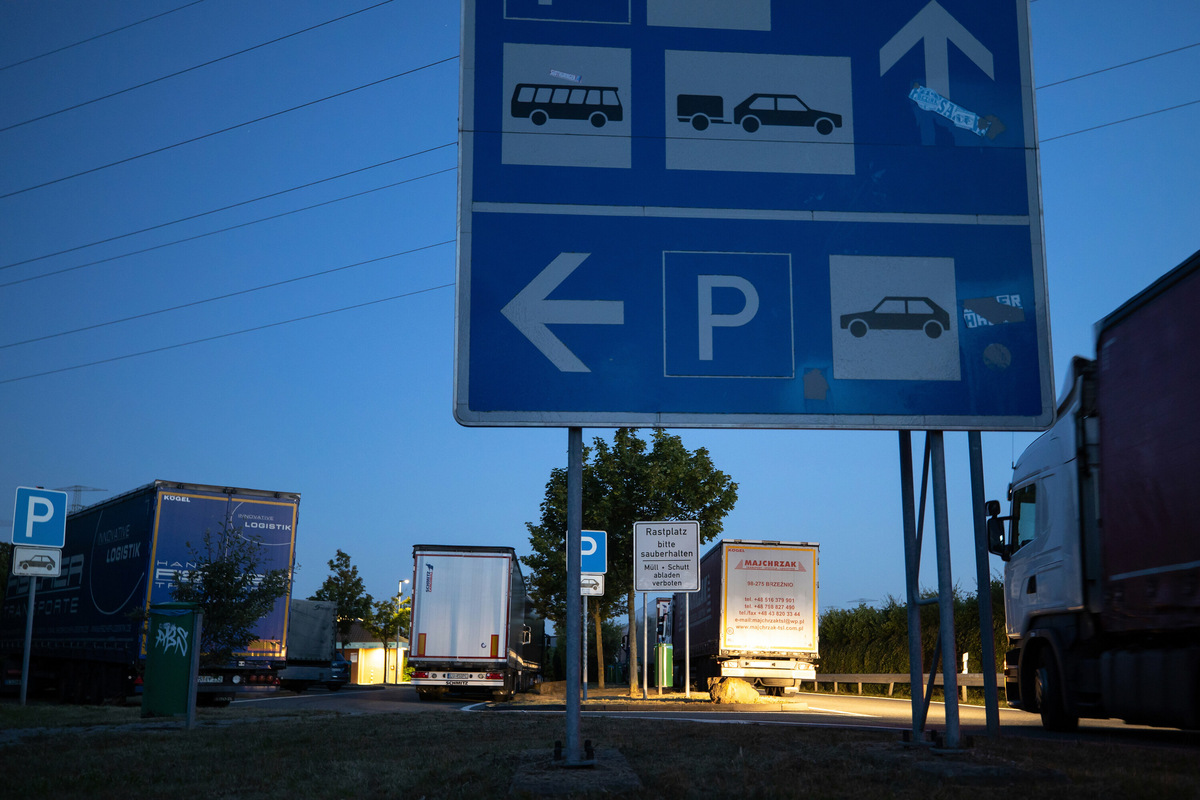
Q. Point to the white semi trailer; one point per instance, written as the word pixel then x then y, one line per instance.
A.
pixel 473 627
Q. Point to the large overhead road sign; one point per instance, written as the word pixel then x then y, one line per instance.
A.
pixel 750 213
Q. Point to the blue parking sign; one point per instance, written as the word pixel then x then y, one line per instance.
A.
pixel 40 517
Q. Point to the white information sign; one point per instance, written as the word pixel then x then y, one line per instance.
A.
pixel 591 584
pixel 666 556
pixel 41 562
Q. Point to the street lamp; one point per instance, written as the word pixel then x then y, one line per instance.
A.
pixel 399 596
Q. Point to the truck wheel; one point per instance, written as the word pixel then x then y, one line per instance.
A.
pixel 1048 693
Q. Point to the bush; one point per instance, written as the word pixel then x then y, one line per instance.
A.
pixel 875 640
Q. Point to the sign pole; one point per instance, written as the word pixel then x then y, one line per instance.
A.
pixel 687 644
pixel 574 570
pixel 28 639
pixel 584 625
pixel 645 652
pixel 991 699
pixel 941 523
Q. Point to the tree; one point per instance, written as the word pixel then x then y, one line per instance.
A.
pixel 229 589
pixel 387 621
pixel 345 587
pixel 624 483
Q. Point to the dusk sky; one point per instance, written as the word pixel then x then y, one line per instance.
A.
pixel 227 256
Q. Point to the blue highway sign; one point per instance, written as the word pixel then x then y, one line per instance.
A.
pixel 750 213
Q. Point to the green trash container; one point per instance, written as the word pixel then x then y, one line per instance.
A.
pixel 172 660
pixel 664 665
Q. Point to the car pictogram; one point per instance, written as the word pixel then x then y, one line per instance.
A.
pixel 899 314
pixel 40 561
pixel 783 109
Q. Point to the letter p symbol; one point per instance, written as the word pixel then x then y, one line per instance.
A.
pixel 34 517
pixel 709 320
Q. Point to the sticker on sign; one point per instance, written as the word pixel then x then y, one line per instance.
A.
pixel 666 556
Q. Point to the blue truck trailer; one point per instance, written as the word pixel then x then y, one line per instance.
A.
pixel 121 556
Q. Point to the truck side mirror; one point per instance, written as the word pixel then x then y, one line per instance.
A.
pixel 995 530
pixel 526 634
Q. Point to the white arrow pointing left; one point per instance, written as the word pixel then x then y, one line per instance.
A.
pixel 531 312
pixel 935 25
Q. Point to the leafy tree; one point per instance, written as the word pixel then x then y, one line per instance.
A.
pixel 346 588
pixel 230 590
pixel 623 483
pixel 388 620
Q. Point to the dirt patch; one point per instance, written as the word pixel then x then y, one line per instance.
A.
pixel 539 775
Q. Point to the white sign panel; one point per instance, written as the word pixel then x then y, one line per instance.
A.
pixel 591 585
pixel 666 556
pixel 41 562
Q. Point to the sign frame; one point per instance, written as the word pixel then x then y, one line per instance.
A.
pixel 536 317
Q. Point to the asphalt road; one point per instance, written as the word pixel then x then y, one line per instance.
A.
pixel 823 710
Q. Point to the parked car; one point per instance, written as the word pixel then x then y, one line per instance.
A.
pixel 341 672
pixel 899 314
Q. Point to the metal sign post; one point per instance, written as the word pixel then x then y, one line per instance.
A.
pixel 574 752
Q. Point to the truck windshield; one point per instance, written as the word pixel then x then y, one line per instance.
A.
pixel 1024 516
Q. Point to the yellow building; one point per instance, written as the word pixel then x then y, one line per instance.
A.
pixel 370 662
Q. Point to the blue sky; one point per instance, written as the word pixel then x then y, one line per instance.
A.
pixel 343 390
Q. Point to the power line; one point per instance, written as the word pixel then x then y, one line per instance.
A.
pixel 1119 121
pixel 230 228
pixel 227 335
pixel 226 208
pixel 230 128
pixel 1118 66
pixel 192 69
pixel 99 36
pixel 228 295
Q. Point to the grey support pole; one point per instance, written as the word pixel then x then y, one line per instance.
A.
pixel 912 573
pixel 941 522
pixel 574 752
pixel 983 577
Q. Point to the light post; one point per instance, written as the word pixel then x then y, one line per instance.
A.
pixel 399 600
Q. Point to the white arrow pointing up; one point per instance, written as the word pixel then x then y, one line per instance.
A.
pixel 531 312
pixel 935 25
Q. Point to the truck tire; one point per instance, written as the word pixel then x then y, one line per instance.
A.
pixel 1048 691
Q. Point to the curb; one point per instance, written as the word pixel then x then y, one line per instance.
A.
pixel 705 708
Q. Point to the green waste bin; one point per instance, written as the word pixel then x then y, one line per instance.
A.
pixel 664 665
pixel 172 660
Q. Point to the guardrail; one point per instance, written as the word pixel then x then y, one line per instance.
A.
pixel 965 679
